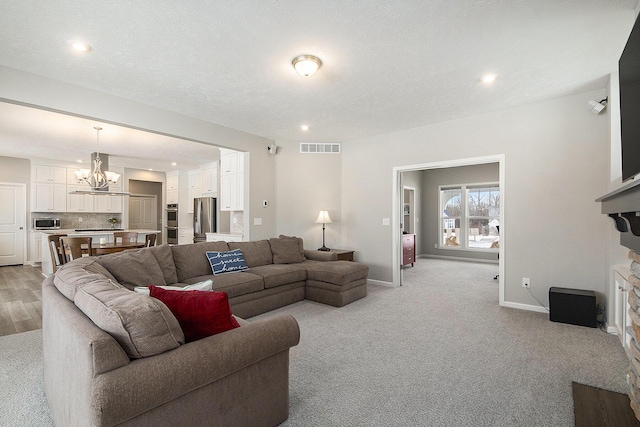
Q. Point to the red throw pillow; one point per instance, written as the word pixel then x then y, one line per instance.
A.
pixel 200 313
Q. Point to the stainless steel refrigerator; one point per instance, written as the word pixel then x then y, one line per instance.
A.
pixel 204 217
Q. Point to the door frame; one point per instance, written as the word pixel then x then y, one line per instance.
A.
pixel 398 192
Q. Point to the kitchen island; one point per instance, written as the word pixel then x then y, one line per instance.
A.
pixel 96 234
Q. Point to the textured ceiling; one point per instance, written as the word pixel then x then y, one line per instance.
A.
pixel 387 65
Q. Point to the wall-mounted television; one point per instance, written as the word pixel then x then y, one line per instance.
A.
pixel 629 68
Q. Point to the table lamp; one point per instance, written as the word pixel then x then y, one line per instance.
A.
pixel 323 218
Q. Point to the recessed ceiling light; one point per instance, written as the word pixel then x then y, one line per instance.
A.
pixel 150 170
pixel 79 161
pixel 304 127
pixel 173 164
pixel 488 78
pixel 79 46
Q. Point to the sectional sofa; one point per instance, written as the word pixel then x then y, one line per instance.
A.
pixel 114 357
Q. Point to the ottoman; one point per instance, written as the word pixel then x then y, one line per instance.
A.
pixel 336 283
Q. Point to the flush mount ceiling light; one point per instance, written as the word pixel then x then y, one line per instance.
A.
pixel 306 65
pixel 79 46
pixel 488 78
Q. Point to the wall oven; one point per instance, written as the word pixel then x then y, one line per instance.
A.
pixel 172 215
pixel 172 235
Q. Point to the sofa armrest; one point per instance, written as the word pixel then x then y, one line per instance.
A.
pixel 320 255
pixel 172 374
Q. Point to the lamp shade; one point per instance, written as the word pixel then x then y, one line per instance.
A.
pixel 323 218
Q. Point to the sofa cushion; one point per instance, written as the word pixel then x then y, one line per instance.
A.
pixel 164 256
pixel 226 262
pixel 199 313
pixel 143 326
pixel 206 285
pixel 80 271
pixel 234 284
pixel 255 253
pixel 191 260
pixel 280 274
pixel 336 272
pixel 287 250
pixel 134 268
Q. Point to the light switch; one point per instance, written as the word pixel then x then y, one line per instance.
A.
pixel 385 221
pixel 257 221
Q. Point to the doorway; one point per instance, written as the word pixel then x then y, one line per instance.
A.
pixel 12 223
pixel 399 210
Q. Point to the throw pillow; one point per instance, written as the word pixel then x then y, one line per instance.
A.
pixel 285 251
pixel 227 262
pixel 300 244
pixel 206 285
pixel 142 326
pixel 200 314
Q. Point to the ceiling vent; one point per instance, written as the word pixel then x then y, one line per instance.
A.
pixel 318 148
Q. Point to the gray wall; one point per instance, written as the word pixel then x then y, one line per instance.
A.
pixel 431 179
pixel 555 166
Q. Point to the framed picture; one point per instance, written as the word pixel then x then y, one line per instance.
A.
pixel 406 209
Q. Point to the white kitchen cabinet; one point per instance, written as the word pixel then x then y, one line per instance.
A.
pixel 108 204
pixel 194 184
pixel 35 246
pixel 209 181
pixel 185 236
pixel 172 187
pixel 49 174
pixel 232 181
pixel 80 202
pixel 48 197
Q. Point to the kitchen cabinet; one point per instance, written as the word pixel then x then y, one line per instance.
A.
pixel 209 181
pixel 80 202
pixel 49 174
pixel 108 204
pixel 35 246
pixel 48 197
pixel 185 236
pixel 194 184
pixel 232 181
pixel 173 182
pixel 408 249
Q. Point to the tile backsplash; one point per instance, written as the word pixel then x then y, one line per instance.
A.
pixel 71 220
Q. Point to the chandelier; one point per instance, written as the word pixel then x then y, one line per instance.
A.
pixel 96 178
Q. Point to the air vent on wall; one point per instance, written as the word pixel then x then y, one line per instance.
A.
pixel 318 148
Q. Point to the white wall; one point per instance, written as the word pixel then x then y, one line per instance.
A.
pixel 36 91
pixel 556 156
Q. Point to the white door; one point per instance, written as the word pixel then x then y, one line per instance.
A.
pixel 143 213
pixel 13 233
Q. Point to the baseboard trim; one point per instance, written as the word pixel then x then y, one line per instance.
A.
pixel 459 258
pixel 527 307
pixel 381 283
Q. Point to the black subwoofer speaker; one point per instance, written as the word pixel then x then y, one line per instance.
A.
pixel 573 306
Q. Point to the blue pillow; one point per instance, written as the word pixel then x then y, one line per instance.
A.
pixel 227 262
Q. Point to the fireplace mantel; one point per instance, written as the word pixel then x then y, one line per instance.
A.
pixel 623 206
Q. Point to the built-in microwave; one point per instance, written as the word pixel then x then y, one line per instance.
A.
pixel 172 215
pixel 46 223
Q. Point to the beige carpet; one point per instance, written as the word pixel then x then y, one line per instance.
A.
pixel 438 351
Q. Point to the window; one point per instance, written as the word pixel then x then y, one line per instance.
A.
pixel 471 210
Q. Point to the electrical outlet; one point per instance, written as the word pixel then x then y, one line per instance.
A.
pixel 80 219
pixel 526 282
pixel 435 245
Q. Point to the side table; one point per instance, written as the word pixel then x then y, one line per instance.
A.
pixel 342 254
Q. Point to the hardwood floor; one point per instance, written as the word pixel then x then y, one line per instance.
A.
pixel 20 299
pixel 595 407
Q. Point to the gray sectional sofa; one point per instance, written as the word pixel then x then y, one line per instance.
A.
pixel 113 357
